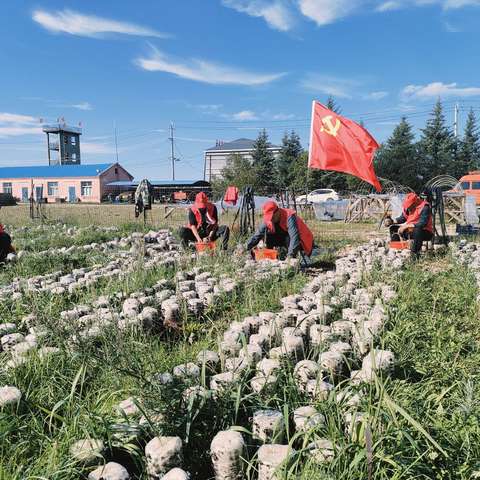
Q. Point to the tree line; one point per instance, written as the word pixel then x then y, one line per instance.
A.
pixel 401 158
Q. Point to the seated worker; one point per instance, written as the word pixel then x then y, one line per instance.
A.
pixel 5 244
pixel 415 223
pixel 282 228
pixel 203 223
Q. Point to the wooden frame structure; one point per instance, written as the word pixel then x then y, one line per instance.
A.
pixel 373 208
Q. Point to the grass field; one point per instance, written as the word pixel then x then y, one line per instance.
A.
pixel 123 215
pixel 423 420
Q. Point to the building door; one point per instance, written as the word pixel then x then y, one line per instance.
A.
pixel 72 196
pixel 25 194
pixel 38 193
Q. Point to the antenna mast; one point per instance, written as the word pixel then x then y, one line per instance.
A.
pixel 172 149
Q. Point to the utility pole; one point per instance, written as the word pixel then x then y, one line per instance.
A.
pixel 116 140
pixel 172 144
pixel 455 123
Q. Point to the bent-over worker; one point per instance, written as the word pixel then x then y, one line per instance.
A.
pixel 415 223
pixel 5 244
pixel 203 224
pixel 282 228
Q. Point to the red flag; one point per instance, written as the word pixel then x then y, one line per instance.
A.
pixel 341 145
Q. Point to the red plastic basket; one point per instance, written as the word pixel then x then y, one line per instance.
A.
pixel 400 245
pixel 265 254
pixel 205 247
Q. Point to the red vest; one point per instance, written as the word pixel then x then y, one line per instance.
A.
pixel 306 236
pixel 414 216
pixel 198 216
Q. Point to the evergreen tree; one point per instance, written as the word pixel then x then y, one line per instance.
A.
pixel 469 148
pixel 304 180
pixel 290 152
pixel 437 147
pixel 332 105
pixel 237 172
pixel 396 160
pixel 264 163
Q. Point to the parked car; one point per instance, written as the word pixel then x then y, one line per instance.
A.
pixel 318 196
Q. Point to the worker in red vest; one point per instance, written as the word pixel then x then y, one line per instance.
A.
pixel 203 223
pixel 6 246
pixel 415 223
pixel 282 228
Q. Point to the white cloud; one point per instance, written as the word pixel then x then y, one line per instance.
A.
pixel 375 95
pixel 283 116
pixel 389 6
pixel 439 89
pixel 450 28
pixel 277 13
pixel 204 71
pixel 445 4
pixel 452 4
pixel 207 108
pixel 323 12
pixel 75 23
pixel 327 85
pixel 16 118
pixel 82 106
pixel 245 116
pixel 15 131
pixel 14 125
pixel 97 148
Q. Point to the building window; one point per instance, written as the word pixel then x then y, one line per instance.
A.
pixel 7 188
pixel 73 140
pixel 86 188
pixel 116 171
pixel 52 189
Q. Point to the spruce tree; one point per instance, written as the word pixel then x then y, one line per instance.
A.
pixel 469 149
pixel 332 105
pixel 397 159
pixel 437 147
pixel 290 152
pixel 264 163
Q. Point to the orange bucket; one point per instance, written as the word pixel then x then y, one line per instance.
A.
pixel 265 254
pixel 205 247
pixel 400 245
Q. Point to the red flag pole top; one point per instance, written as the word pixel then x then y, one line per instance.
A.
pixel 341 145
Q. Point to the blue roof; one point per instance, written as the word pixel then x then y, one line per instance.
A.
pixel 40 171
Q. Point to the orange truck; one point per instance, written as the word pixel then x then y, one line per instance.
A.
pixel 470 184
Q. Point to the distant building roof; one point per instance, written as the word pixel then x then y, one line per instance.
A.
pixel 40 171
pixel 239 144
pixel 57 127
pixel 162 183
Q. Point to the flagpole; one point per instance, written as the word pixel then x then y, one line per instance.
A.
pixel 311 135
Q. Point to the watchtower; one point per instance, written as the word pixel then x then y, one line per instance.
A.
pixel 65 141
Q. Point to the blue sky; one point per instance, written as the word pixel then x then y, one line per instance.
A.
pixel 223 69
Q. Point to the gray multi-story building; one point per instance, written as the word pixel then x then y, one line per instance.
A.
pixel 216 157
pixel 63 143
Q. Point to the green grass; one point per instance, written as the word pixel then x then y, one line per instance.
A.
pixel 73 394
pixel 423 421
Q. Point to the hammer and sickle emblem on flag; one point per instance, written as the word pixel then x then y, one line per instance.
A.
pixel 329 127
